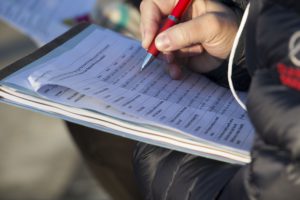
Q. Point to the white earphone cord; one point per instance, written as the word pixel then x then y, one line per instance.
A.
pixel 231 57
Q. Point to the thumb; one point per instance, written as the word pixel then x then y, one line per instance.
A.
pixel 199 30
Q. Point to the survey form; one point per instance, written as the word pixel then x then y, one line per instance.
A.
pixel 105 66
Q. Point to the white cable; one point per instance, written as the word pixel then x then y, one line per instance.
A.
pixel 231 57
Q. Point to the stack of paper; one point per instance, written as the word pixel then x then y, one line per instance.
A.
pixel 91 76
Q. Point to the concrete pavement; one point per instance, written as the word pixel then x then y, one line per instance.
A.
pixel 37 157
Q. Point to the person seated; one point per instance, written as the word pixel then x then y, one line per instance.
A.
pixel 203 42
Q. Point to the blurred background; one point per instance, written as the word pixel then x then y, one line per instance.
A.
pixel 38 158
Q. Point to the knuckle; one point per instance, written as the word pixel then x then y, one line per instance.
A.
pixel 214 22
pixel 183 37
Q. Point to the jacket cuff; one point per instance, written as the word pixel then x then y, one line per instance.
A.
pixel 240 76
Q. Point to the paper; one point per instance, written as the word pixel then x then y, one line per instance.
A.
pixel 42 19
pixel 106 66
pixel 72 98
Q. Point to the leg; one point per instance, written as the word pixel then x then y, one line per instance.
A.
pixel 109 158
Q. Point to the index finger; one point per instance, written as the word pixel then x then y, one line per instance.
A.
pixel 152 12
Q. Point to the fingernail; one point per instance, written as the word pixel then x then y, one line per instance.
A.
pixel 162 42
pixel 143 43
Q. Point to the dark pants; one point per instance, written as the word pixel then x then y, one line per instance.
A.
pixel 109 158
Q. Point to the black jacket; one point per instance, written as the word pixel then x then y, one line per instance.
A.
pixel 272 38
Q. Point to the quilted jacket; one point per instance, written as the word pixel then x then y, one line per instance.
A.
pixel 271 46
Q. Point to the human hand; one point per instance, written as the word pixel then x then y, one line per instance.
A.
pixel 202 39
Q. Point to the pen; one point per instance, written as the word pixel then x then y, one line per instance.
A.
pixel 172 19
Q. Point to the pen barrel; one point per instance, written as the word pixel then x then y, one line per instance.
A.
pixel 152 49
pixel 172 19
pixel 180 8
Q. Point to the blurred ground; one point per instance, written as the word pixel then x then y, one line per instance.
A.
pixel 37 158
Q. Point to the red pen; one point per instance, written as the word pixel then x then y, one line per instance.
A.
pixel 172 19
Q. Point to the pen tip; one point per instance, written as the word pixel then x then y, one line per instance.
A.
pixel 148 59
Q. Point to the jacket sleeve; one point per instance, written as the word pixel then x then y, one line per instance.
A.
pixel 273 105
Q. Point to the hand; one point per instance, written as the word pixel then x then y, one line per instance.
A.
pixel 201 41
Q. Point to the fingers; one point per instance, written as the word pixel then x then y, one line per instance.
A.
pixel 190 51
pixel 173 68
pixel 204 63
pixel 169 57
pixel 150 19
pixel 175 71
pixel 199 30
pixel 214 31
pixel 205 38
pixel 152 13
